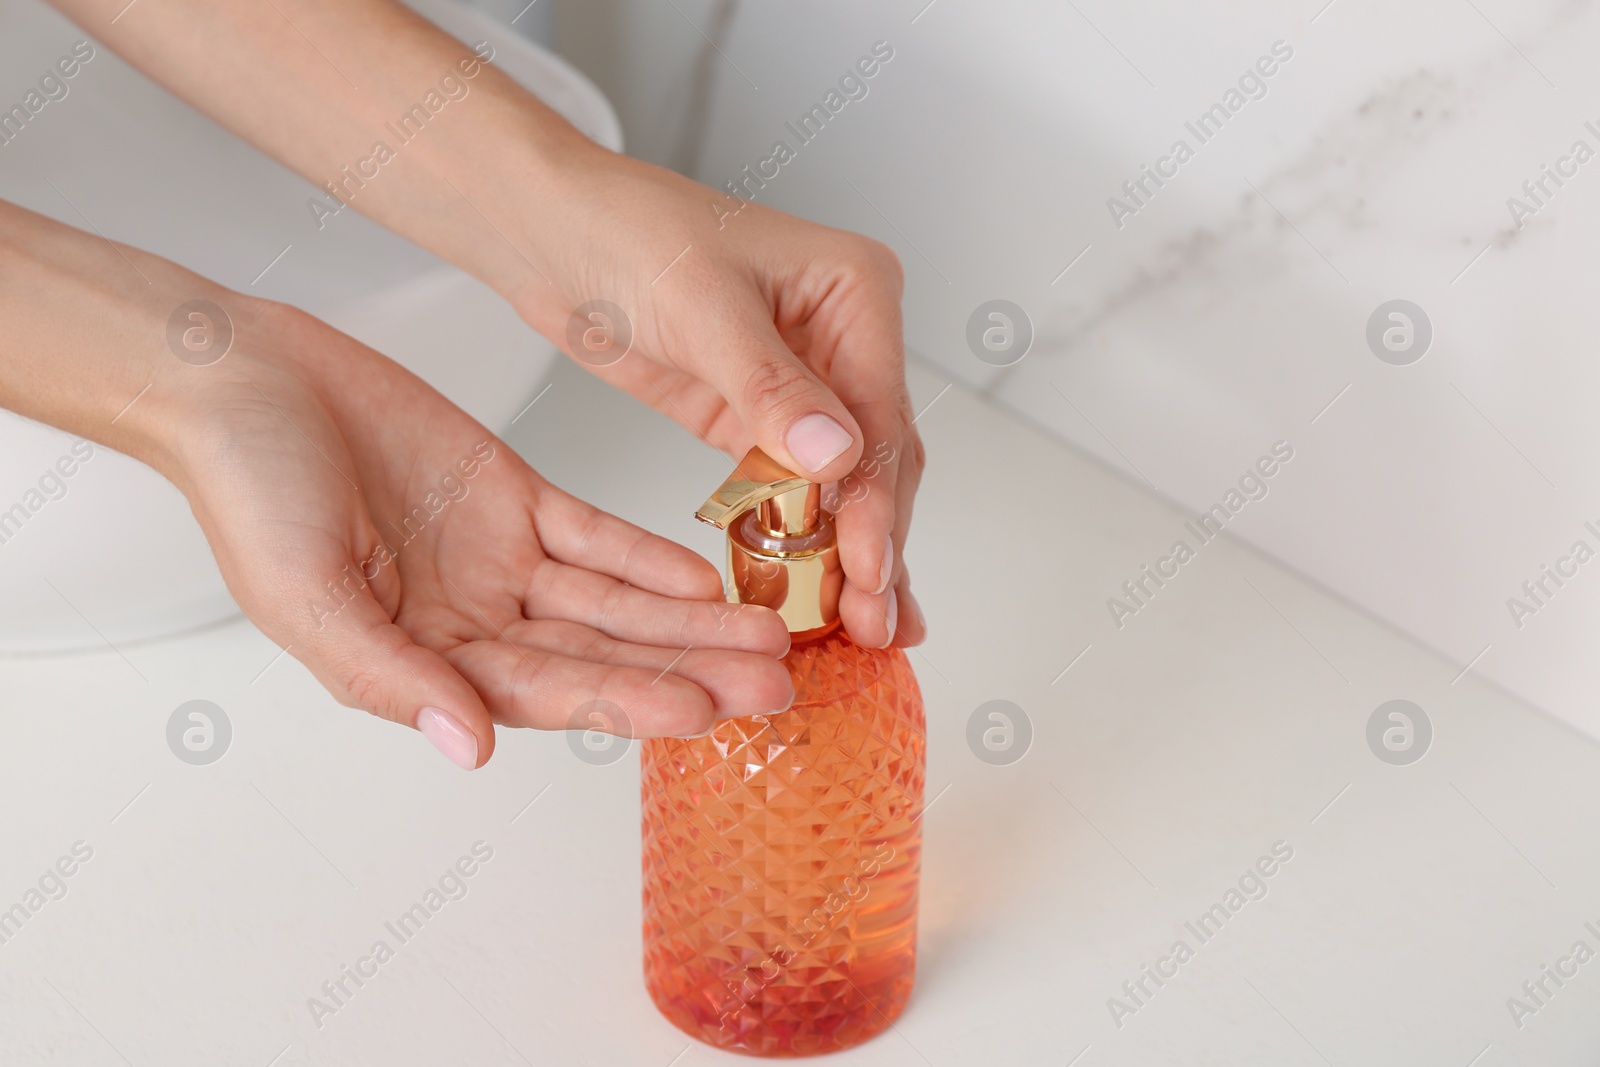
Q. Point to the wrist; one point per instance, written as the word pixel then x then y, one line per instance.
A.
pixel 89 332
pixel 506 178
pixel 182 388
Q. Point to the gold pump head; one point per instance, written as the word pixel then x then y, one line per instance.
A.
pixel 782 553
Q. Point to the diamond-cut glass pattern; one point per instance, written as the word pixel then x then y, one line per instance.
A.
pixel 780 860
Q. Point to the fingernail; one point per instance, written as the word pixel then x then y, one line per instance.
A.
pixel 891 616
pixel 444 733
pixel 916 611
pixel 815 441
pixel 787 704
pixel 703 733
pixel 886 568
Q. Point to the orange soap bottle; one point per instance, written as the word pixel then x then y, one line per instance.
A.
pixel 781 851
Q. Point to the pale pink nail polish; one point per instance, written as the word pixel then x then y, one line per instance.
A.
pixel 816 440
pixel 787 704
pixel 886 568
pixel 891 617
pixel 916 612
pixel 448 736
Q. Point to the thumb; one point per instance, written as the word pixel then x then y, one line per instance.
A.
pixel 368 662
pixel 785 409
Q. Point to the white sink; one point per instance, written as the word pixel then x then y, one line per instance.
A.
pixel 117 557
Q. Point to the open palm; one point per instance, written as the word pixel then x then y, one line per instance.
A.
pixel 427 574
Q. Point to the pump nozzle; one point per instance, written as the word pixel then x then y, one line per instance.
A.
pixel 760 482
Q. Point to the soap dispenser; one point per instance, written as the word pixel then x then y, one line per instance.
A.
pixel 781 850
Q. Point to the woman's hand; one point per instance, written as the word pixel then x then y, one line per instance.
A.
pixel 426 574
pixel 749 327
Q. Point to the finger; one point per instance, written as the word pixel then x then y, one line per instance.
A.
pixel 913 626
pixel 878 620
pixel 580 535
pixel 368 662
pixel 740 684
pixel 627 613
pixel 867 514
pixel 785 408
pixel 532 687
pixel 869 618
pixel 858 327
pixel 528 685
pixel 873 518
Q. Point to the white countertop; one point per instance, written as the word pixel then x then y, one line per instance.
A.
pixel 1226 716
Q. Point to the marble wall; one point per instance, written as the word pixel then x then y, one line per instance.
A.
pixel 1180 336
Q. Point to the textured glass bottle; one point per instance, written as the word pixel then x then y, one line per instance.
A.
pixel 781 851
